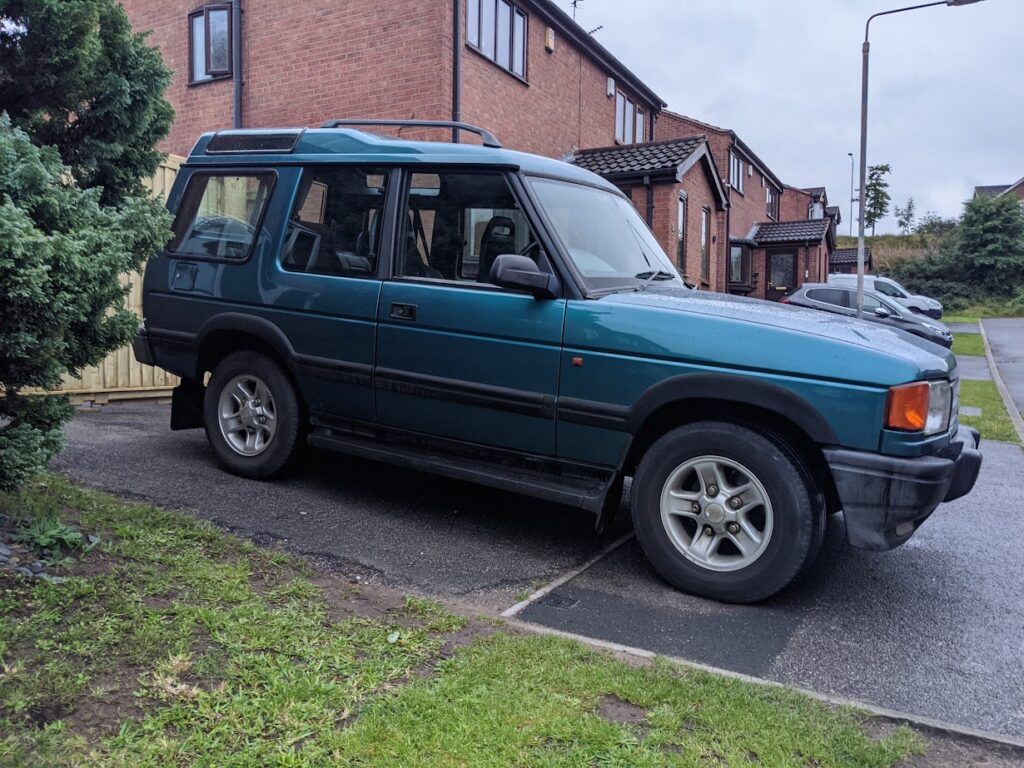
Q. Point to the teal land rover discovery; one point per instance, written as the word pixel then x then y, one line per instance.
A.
pixel 508 319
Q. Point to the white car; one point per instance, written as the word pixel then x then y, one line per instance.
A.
pixel 888 287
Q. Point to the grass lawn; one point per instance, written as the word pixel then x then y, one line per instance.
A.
pixel 968 344
pixel 174 644
pixel 994 421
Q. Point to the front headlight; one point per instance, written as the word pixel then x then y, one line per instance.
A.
pixel 923 406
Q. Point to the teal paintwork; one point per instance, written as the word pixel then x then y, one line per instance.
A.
pixel 513 348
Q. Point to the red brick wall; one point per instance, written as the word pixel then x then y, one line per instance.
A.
pixel 793 206
pixel 564 107
pixel 309 60
pixel 306 61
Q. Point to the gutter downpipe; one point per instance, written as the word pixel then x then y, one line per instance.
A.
pixel 236 60
pixel 650 201
pixel 456 68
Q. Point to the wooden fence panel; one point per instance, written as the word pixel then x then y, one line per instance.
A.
pixel 120 376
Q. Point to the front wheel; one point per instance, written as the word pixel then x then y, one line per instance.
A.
pixel 252 415
pixel 726 512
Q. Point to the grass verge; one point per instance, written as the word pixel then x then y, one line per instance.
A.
pixel 173 643
pixel 994 422
pixel 969 344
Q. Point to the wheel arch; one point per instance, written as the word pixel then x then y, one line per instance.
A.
pixel 229 332
pixel 763 406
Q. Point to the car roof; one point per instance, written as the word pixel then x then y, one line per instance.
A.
pixel 294 146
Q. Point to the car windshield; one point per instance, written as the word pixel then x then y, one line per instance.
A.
pixel 891 288
pixel 609 244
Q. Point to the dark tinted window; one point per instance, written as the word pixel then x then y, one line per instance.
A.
pixel 219 214
pixel 888 289
pixel 253 142
pixel 835 296
pixel 335 227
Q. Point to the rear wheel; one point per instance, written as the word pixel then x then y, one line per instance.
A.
pixel 726 512
pixel 252 415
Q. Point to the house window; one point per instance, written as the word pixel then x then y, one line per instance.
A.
pixel 681 233
pixel 629 120
pixel 739 265
pixel 736 172
pixel 705 244
pixel 497 29
pixel 772 197
pixel 209 41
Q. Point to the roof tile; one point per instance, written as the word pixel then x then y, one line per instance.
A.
pixel 791 231
pixel 638 158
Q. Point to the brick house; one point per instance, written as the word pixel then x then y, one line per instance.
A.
pixel 998 190
pixel 774 239
pixel 523 69
pixel 674 184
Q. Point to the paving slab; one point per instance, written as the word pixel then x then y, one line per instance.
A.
pixel 932 628
pixel 973 367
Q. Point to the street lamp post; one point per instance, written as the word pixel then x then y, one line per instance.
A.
pixel 852 198
pixel 864 136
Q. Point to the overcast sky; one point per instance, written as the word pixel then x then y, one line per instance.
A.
pixel 946 89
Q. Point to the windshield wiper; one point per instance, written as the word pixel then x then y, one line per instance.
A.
pixel 650 276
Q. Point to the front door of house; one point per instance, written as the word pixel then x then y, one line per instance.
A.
pixel 781 269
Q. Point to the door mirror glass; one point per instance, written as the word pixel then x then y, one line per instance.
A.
pixel 521 273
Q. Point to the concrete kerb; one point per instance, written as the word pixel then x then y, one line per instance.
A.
pixel 918 721
pixel 567 576
pixel 1011 407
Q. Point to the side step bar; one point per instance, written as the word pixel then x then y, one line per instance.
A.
pixel 576 490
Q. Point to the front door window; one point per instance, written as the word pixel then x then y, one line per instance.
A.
pixel 781 274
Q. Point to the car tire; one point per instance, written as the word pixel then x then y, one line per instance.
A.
pixel 252 414
pixel 683 497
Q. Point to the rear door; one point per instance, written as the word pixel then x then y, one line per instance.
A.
pixel 458 357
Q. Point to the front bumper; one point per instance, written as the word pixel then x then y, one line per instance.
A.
pixel 885 498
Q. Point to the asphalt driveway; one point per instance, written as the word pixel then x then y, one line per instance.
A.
pixel 1006 337
pixel 934 628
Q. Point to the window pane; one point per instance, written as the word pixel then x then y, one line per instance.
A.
pixel 336 226
pixel 457 224
pixel 620 109
pixel 504 34
pixel 736 264
pixel 828 296
pixel 487 9
pixel 630 117
pixel 639 125
pixel 473 22
pixel 219 214
pixel 199 48
pixel 519 45
pixel 219 36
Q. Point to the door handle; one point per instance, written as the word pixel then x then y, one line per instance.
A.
pixel 403 311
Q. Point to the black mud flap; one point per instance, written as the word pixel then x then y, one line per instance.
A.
pixel 187 405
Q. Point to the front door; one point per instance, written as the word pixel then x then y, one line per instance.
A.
pixel 458 357
pixel 781 269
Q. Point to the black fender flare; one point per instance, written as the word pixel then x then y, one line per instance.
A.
pixel 236 322
pixel 737 389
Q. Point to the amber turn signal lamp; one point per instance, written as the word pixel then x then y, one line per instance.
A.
pixel 907 408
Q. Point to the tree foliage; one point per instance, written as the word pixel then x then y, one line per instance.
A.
pixel 876 195
pixel 905 216
pixel 983 258
pixel 74 76
pixel 934 224
pixel 62 255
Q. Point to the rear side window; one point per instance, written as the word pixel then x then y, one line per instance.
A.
pixel 220 214
pixel 835 296
pixel 335 227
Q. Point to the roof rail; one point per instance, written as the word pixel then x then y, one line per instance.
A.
pixel 489 139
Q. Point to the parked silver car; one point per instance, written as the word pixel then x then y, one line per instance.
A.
pixel 888 287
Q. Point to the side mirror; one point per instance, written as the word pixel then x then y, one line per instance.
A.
pixel 521 273
pixel 882 312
